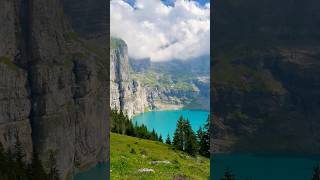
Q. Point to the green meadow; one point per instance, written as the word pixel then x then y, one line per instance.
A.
pixel 128 155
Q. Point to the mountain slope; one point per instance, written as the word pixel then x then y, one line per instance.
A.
pixel 53 83
pixel 129 154
pixel 266 76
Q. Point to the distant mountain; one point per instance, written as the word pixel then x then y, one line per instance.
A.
pixel 141 85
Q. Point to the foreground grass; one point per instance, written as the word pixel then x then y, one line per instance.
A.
pixel 128 154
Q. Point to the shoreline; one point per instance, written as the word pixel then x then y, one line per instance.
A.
pixel 175 108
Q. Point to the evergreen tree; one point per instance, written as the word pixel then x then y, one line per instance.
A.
pixel 228 175
pixel 199 134
pixel 168 141
pixel 160 138
pixel 190 137
pixel 18 152
pixel 10 165
pixel 204 139
pixel 316 173
pixel 2 157
pixel 20 167
pixel 52 164
pixel 121 124
pixel 156 137
pixel 36 170
pixel 178 137
pixel 153 135
pixel 3 164
pixel 129 127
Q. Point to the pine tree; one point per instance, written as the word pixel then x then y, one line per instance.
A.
pixel 18 152
pixel 199 134
pixel 228 175
pixel 36 170
pixel 53 170
pixel 20 169
pixel 160 138
pixel 178 137
pixel 191 139
pixel 10 165
pixel 316 173
pixel 3 163
pixel 156 137
pixel 204 139
pixel 153 135
pixel 168 141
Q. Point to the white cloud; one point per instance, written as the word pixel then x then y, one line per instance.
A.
pixel 159 32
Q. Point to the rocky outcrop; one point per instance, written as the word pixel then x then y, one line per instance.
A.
pixel 126 94
pixel 53 85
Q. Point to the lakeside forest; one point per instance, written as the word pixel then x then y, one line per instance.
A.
pixel 184 139
pixel 140 153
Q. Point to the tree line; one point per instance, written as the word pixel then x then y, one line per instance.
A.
pixel 121 124
pixel 185 139
pixel 13 165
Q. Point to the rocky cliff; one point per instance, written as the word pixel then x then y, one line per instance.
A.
pixel 266 77
pixel 126 94
pixel 140 85
pixel 53 83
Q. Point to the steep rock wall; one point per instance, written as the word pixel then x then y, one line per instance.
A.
pixel 126 94
pixel 53 86
pixel 15 104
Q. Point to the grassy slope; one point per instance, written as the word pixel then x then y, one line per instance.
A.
pixel 125 165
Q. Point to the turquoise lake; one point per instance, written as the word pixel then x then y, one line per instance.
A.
pixel 164 122
pixel 264 166
pixel 96 173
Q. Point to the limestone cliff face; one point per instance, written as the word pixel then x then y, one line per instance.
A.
pixel 126 94
pixel 52 85
pixel 15 105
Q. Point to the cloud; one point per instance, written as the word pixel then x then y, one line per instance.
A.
pixel 159 32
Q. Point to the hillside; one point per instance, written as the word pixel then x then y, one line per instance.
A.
pixel 129 154
pixel 266 76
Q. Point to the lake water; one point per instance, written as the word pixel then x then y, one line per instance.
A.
pixel 164 122
pixel 96 173
pixel 264 167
